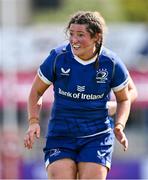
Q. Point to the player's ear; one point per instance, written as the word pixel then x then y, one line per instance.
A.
pixel 97 37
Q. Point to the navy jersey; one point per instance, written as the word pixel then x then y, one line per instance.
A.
pixel 81 91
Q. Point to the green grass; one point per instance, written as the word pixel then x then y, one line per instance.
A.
pixel 71 6
pixel 112 10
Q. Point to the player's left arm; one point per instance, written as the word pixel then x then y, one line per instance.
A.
pixel 122 114
pixel 133 94
pixel 132 90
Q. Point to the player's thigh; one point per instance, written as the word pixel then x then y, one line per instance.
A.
pixel 89 170
pixel 62 169
pixel 94 158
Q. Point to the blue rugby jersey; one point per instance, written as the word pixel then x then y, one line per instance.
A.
pixel 81 91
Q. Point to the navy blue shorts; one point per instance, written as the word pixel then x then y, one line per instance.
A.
pixel 97 149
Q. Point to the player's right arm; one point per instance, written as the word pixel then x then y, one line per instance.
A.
pixel 44 78
pixel 34 105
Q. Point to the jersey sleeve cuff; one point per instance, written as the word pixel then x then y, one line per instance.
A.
pixel 43 78
pixel 121 86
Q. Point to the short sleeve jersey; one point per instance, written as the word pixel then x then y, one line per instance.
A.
pixel 81 91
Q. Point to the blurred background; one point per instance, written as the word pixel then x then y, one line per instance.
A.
pixel 29 29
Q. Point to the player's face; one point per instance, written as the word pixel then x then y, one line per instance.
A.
pixel 83 45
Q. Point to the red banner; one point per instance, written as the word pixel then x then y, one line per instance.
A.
pixel 15 88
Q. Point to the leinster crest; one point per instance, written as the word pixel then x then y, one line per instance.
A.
pixel 101 75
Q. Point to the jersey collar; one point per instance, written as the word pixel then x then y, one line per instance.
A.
pixel 81 61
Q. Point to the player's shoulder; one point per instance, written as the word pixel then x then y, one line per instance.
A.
pixel 109 54
pixel 63 48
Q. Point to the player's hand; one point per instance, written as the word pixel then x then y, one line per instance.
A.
pixel 121 137
pixel 32 133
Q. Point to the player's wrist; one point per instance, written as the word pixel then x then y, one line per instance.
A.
pixel 33 120
pixel 119 125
